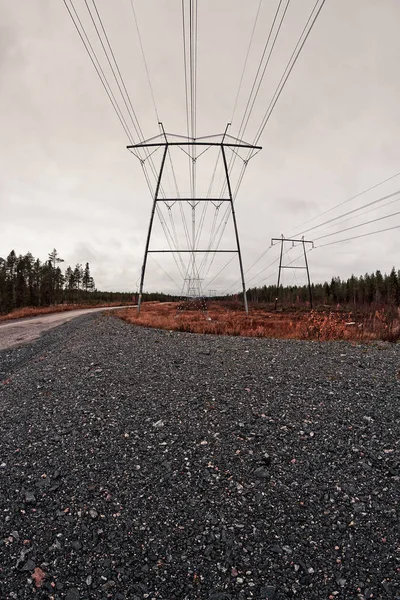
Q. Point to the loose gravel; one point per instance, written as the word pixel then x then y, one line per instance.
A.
pixel 137 463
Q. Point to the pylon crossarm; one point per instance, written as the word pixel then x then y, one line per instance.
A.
pixel 172 139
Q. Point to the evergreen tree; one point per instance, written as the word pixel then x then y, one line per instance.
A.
pixel 78 276
pixel 54 258
pixel 3 278
pixel 380 295
pixel 87 279
pixel 393 292
pixel 37 283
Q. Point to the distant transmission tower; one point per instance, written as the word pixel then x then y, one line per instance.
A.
pixel 303 242
pixel 190 146
pixel 193 287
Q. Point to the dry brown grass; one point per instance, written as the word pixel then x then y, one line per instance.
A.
pixel 29 311
pixel 220 320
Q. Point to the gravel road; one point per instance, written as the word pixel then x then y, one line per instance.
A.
pixel 22 331
pixel 137 463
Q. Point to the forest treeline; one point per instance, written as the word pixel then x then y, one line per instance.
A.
pixel 368 289
pixel 26 281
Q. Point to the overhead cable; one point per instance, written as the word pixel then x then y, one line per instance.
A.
pixel 322 237
pixel 289 67
pixel 246 60
pixel 372 187
pixel 221 270
pixel 366 212
pixel 245 120
pixel 350 212
pixel 145 61
pixel 100 72
pixel 166 273
pixel 356 237
pixel 295 55
pixel 253 95
pixel 125 96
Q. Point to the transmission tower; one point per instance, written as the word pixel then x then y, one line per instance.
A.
pixel 194 148
pixel 303 242
pixel 193 287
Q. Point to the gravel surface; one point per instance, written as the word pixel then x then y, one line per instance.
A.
pixel 16 332
pixel 137 463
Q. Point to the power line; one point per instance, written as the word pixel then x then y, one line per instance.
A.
pixel 359 225
pixel 289 67
pixel 246 59
pixel 131 113
pixel 185 68
pixel 211 239
pixel 98 68
pixel 201 223
pixel 252 265
pixel 259 258
pixel 349 200
pixel 145 61
pixel 356 237
pixel 169 237
pixel 220 233
pixel 268 266
pixel 166 273
pixel 102 75
pixel 219 272
pixel 252 98
pixel 242 127
pixel 350 212
pixel 366 212
pixel 288 264
pixel 175 238
pixel 266 64
pixel 295 54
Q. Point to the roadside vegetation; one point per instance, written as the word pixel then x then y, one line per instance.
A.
pixel 359 309
pixel 227 318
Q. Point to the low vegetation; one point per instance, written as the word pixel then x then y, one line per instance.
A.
pixel 228 319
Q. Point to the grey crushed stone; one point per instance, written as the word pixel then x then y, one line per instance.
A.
pixel 138 463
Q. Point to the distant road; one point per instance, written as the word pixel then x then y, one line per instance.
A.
pixel 22 331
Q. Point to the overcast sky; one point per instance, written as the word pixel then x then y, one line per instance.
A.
pixel 67 180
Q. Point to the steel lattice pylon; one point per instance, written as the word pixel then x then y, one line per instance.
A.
pixel 165 140
pixel 303 242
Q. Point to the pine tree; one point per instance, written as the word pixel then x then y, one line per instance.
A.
pixel 54 258
pixel 21 287
pixel 379 287
pixel 69 279
pixel 87 279
pixel 11 276
pixel 78 276
pixel 393 287
pixel 37 283
pixel 3 302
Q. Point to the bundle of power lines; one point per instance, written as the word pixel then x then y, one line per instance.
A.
pixel 105 63
pixel 325 234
